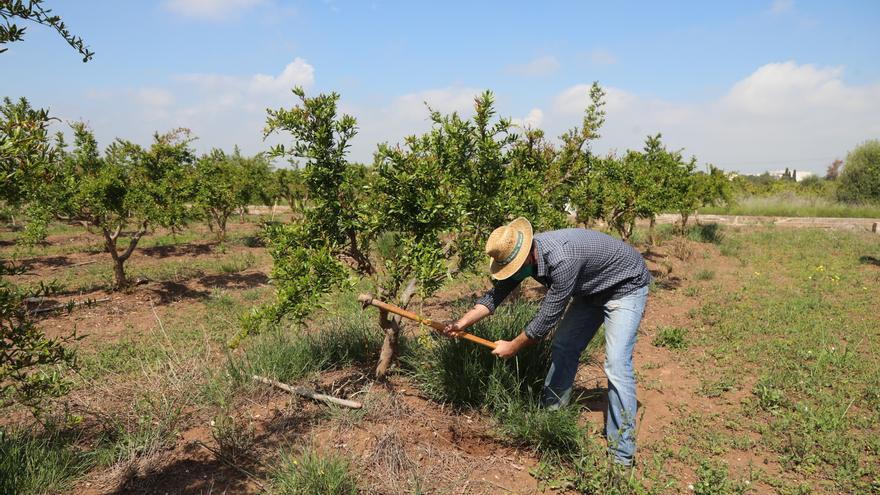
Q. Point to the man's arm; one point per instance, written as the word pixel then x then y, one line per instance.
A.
pixel 484 306
pixel 507 349
pixel 551 310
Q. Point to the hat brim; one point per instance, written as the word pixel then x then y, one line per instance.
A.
pixel 501 272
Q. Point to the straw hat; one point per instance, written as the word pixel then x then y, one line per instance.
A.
pixel 509 246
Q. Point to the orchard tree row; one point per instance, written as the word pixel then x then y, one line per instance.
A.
pixel 126 190
pixel 421 212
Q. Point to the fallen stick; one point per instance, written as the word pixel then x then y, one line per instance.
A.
pixel 65 306
pixel 309 393
pixel 367 299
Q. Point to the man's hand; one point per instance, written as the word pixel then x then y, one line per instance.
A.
pixel 505 349
pixel 452 329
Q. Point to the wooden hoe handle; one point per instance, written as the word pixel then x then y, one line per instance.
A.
pixel 367 299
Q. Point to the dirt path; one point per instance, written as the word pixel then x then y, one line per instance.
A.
pixel 856 224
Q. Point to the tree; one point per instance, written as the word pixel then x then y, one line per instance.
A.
pixel 26 353
pixel 128 186
pixel 224 184
pixel 34 11
pixel 431 201
pixel 833 170
pixel 860 179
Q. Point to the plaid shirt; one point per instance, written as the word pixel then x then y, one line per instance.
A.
pixel 576 263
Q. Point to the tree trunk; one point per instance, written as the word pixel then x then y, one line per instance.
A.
pixel 392 326
pixel 651 239
pixel 220 218
pixel 119 273
pixel 119 260
pixel 118 264
pixel 685 215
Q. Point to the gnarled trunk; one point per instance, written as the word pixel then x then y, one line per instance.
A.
pixel 392 325
pixel 110 239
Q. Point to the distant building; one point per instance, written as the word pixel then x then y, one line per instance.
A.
pixel 797 176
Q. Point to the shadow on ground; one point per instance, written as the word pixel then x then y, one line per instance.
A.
pixel 188 249
pixel 869 260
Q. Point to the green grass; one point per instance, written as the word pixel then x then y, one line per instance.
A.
pixel 288 355
pixel 705 275
pixel 463 374
pixel 801 333
pixel 37 465
pixel 311 472
pixel 786 205
pixel 671 338
pixel 712 479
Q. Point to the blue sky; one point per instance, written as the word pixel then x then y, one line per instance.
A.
pixel 746 85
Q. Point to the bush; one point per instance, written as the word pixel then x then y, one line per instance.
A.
pixel 314 473
pixel 860 180
pixel 709 233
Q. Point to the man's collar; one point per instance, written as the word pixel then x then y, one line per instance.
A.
pixel 539 258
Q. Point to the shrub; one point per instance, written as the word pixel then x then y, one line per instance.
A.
pixel 860 180
pixel 708 233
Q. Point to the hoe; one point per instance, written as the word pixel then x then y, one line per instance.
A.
pixel 368 300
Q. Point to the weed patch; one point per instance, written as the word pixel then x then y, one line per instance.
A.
pixel 288 356
pixel 671 338
pixel 35 465
pixel 315 473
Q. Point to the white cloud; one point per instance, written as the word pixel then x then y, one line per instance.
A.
pixel 781 6
pixel 800 115
pixel 210 9
pixel 154 97
pixel 297 73
pixel 782 114
pixel 602 57
pixel 541 66
pixel 532 120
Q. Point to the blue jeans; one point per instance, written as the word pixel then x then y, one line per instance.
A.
pixel 580 323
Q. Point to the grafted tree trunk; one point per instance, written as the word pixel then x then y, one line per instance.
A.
pixel 392 325
pixel 110 240
pixel 220 218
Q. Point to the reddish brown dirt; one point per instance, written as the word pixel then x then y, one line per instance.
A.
pixel 452 452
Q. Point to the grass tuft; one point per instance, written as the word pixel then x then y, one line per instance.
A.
pixel 35 465
pixel 315 473
pixel 671 338
pixel 289 356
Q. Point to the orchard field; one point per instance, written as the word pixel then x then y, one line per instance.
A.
pixel 757 366
pixel 148 293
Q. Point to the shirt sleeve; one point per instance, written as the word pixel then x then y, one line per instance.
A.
pixel 499 291
pixel 555 301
